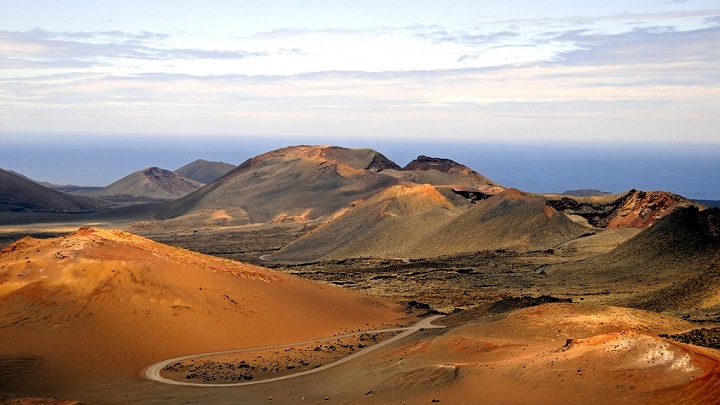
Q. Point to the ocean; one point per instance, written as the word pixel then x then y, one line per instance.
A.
pixel 690 170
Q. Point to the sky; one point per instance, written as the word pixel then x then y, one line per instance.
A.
pixel 483 71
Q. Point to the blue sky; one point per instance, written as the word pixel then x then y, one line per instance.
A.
pixel 510 71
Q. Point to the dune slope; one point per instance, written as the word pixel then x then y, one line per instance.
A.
pixel 100 305
pixel 551 354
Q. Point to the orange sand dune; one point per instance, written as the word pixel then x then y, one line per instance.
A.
pixel 553 354
pixel 102 304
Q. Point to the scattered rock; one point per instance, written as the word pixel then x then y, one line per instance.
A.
pixel 707 337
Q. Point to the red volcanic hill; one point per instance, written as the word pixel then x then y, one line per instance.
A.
pixel 205 172
pixel 634 209
pixel 103 304
pixel 19 194
pixel 551 354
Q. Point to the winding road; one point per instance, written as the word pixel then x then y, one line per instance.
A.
pixel 153 372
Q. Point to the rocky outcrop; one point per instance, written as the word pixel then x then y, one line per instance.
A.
pixel 634 209
pixel 430 163
pixel 445 172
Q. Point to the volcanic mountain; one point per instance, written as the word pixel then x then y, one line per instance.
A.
pixel 309 183
pixel 152 183
pixel 19 194
pixel 300 183
pixel 203 171
pixel 425 221
pixel 103 304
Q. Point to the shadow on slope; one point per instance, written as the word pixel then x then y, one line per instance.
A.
pixel 18 194
pixel 676 247
pixel 422 222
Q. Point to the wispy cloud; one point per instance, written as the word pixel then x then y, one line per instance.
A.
pixel 648 46
pixel 467 38
pixel 590 75
pixel 285 33
pixel 39 48
pixel 291 51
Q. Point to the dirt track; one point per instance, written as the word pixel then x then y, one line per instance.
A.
pixel 153 372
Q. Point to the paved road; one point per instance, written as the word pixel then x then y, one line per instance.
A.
pixel 153 372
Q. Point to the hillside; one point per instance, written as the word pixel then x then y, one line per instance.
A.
pixel 309 184
pixel 294 184
pixel 697 297
pixel 692 245
pixel 388 224
pixel 509 220
pixel 549 354
pixel 18 194
pixel 678 247
pixel 203 171
pixel 152 183
pixel 424 221
pixel 103 304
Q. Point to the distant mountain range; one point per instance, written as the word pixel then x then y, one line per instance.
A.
pixel 311 183
pixel 152 184
pixel 365 204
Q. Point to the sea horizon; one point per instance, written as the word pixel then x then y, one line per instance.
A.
pixel 685 169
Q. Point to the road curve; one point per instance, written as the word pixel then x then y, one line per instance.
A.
pixel 153 372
